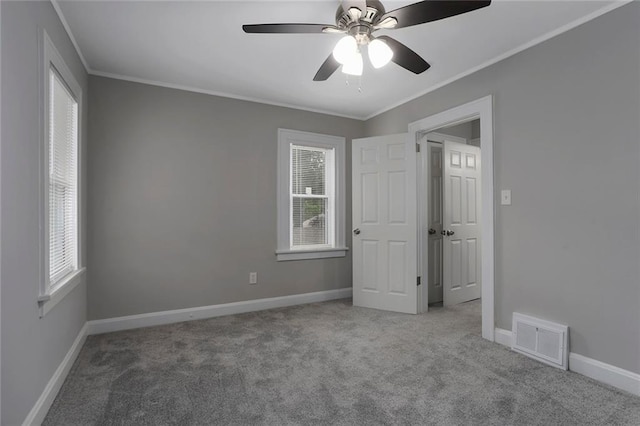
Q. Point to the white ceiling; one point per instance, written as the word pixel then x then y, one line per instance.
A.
pixel 201 46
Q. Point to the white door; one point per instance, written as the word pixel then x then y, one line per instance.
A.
pixel 384 223
pixel 461 219
pixel 434 225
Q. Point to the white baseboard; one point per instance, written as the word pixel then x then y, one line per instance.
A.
pixel 42 405
pixel 597 370
pixel 202 312
pixel 503 336
pixel 605 373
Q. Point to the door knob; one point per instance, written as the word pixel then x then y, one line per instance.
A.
pixel 450 233
pixel 356 231
pixel 432 231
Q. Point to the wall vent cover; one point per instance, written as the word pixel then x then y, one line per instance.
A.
pixel 542 340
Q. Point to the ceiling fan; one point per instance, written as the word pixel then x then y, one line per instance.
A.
pixel 359 19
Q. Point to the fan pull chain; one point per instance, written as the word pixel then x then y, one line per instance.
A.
pixel 347 83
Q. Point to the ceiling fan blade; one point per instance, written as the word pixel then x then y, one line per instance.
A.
pixel 405 57
pixel 286 28
pixel 328 67
pixel 432 10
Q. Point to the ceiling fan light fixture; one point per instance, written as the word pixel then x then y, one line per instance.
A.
pixel 354 66
pixel 345 49
pixel 379 53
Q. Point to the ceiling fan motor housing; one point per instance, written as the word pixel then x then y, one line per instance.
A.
pixel 360 24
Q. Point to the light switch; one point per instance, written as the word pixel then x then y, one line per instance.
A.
pixel 505 197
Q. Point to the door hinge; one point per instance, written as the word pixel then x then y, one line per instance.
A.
pixel 417 147
pixel 419 281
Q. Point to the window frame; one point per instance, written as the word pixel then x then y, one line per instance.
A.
pixel 51 294
pixel 286 139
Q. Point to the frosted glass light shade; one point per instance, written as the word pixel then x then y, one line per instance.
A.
pixel 354 65
pixel 345 49
pixel 379 53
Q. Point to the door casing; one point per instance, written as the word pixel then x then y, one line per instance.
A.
pixel 482 109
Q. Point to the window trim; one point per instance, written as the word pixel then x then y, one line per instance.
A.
pixel 50 295
pixel 286 138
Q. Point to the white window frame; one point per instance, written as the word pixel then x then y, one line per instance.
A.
pixel 52 293
pixel 336 190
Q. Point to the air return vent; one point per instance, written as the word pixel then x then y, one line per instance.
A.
pixel 541 340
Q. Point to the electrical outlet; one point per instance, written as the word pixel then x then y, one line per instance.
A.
pixel 253 278
pixel 505 197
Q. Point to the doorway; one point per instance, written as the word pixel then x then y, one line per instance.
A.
pixel 481 109
pixel 449 182
pixel 388 261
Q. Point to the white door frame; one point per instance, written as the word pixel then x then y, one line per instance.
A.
pixel 482 109
pixel 441 137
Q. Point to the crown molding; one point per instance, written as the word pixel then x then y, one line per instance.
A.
pixel 220 94
pixel 549 35
pixel 63 20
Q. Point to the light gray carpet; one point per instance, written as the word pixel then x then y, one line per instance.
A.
pixel 326 363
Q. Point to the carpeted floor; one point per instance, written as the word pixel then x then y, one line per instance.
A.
pixel 326 363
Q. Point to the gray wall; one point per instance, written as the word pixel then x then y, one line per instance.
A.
pixel 469 130
pixel 567 134
pixel 462 130
pixel 183 200
pixel 32 348
pixel 475 129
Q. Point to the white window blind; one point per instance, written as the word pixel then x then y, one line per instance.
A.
pixel 311 197
pixel 63 180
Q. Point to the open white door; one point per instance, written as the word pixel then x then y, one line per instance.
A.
pixel 384 223
pixel 462 230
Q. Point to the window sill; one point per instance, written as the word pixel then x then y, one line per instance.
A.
pixel 47 302
pixel 284 255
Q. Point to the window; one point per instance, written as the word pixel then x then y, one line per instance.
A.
pixel 310 196
pixel 63 168
pixel 60 216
